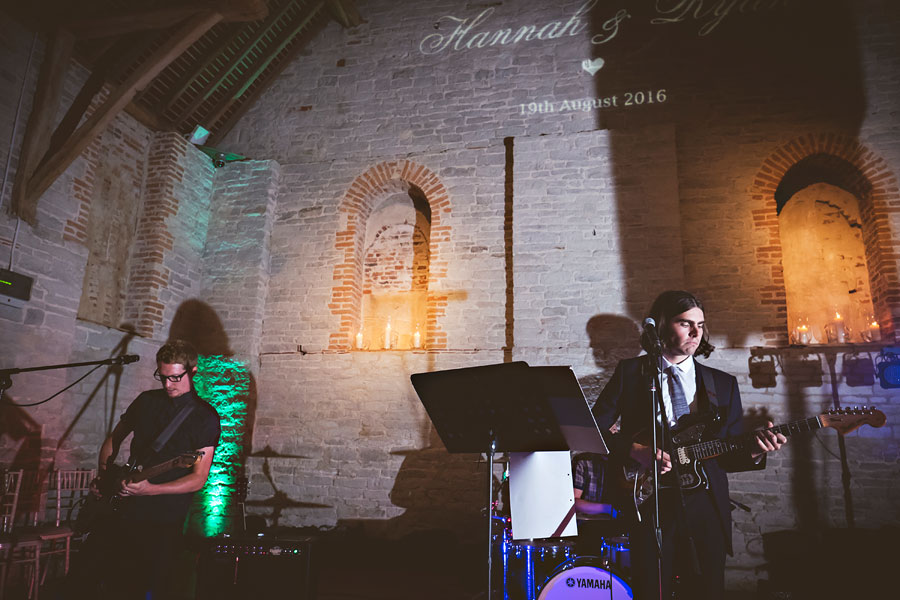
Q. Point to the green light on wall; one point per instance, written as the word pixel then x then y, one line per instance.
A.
pixel 225 384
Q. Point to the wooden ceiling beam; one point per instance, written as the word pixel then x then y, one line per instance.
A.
pixel 182 39
pixel 129 22
pixel 213 84
pixel 40 122
pixel 125 22
pixel 345 13
pixel 184 82
pixel 108 68
pixel 221 130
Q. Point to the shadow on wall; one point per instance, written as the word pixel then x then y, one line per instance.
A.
pixel 612 338
pixel 431 478
pixel 112 373
pixel 230 387
pixel 23 431
pixel 198 323
pixel 762 72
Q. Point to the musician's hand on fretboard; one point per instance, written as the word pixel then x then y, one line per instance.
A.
pixel 768 441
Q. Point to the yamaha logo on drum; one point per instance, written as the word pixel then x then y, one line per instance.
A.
pixel 570 582
pixel 597 584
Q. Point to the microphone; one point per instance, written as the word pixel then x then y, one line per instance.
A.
pixel 649 337
pixel 125 359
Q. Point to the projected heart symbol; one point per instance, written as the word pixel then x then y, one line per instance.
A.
pixel 592 66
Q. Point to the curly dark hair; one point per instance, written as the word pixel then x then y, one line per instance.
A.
pixel 672 303
pixel 178 352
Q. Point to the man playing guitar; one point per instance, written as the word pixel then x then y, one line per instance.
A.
pixel 141 541
pixel 680 325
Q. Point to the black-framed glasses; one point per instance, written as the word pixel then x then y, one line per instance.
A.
pixel 173 378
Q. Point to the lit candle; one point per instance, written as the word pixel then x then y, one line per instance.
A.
pixel 359 339
pixel 803 334
pixel 874 331
pixel 417 338
pixel 387 335
pixel 840 335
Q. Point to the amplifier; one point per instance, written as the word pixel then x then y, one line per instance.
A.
pixel 257 567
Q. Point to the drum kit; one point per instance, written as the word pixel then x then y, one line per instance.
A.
pixel 555 569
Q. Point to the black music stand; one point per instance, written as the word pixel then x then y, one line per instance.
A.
pixel 508 407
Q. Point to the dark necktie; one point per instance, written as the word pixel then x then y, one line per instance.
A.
pixel 676 391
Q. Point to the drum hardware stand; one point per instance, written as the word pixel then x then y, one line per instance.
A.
pixel 492 448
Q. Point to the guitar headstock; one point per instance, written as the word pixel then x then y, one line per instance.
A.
pixel 847 420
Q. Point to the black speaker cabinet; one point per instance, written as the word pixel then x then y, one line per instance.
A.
pixel 257 567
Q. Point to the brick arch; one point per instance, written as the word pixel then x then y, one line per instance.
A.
pixel 855 168
pixel 355 208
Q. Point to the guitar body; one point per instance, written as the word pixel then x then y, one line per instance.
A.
pixel 97 510
pixel 689 449
pixel 689 430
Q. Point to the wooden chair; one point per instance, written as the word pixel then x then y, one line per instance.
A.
pixel 66 491
pixel 17 546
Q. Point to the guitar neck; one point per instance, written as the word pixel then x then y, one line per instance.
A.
pixel 155 470
pixel 714 448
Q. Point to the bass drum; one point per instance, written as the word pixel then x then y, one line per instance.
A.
pixel 583 578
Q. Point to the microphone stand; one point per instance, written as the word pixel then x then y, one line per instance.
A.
pixel 659 417
pixel 657 410
pixel 6 374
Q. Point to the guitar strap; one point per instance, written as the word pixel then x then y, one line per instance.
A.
pixel 172 427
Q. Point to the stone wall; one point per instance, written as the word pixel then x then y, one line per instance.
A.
pixel 562 200
pixel 156 189
pixel 572 199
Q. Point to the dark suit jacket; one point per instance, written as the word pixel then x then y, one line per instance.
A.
pixel 626 395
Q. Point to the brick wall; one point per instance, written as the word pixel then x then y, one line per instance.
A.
pixel 122 173
pixel 572 199
pixel 561 202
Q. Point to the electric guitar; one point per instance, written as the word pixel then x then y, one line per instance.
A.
pixel 690 451
pixel 110 482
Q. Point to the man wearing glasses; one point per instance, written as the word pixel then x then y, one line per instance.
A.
pixel 151 513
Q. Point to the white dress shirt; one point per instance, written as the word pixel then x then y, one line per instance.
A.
pixel 688 382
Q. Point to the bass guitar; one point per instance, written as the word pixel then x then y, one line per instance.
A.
pixel 110 482
pixel 689 451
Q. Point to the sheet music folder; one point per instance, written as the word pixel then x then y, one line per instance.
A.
pixel 526 409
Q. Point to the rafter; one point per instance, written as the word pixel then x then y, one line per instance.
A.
pixel 129 22
pixel 54 165
pixel 161 17
pixel 40 121
pixel 120 55
pixel 247 47
pixel 221 130
pixel 345 13
pixel 184 82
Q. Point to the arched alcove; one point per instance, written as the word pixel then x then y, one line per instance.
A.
pixel 395 272
pixel 393 241
pixel 841 164
pixel 826 276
